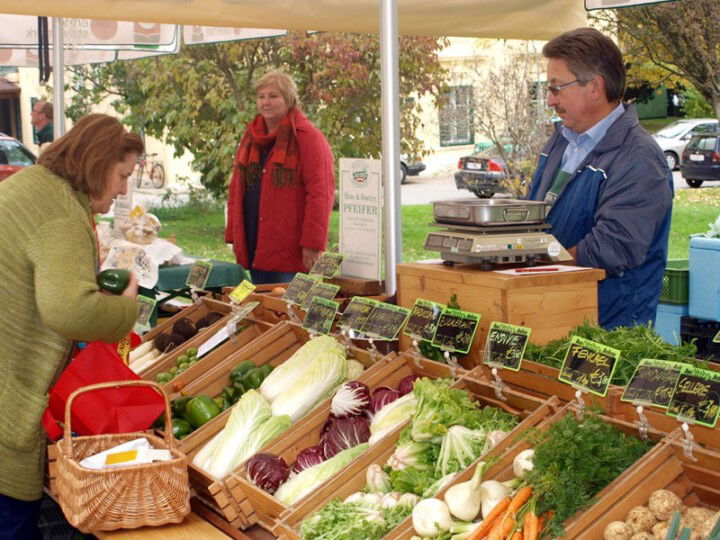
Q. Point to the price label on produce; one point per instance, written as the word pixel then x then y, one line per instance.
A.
pixel 299 288
pixel 652 383
pixel 357 312
pixel 589 365
pixel 423 320
pixel 146 306
pixel 385 321
pixel 505 345
pixel 199 274
pixel 696 396
pixel 716 339
pixel 455 330
pixel 242 291
pixel 327 265
pixel 321 290
pixel 320 315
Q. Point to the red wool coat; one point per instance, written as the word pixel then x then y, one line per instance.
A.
pixel 291 217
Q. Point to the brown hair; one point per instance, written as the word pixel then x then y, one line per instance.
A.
pixel 46 108
pixel 86 153
pixel 285 85
pixel 587 53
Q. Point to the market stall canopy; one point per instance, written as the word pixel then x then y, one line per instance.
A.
pixel 509 19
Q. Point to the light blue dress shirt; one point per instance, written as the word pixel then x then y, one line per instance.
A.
pixel 581 144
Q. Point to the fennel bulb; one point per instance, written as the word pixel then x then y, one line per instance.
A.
pixel 464 499
pixel 431 517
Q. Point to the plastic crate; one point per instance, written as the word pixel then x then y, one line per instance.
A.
pixel 676 282
pixel 667 321
pixel 703 332
pixel 705 278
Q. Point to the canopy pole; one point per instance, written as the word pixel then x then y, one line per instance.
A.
pixel 58 64
pixel 390 99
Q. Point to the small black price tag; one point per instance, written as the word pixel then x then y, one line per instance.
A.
pixel 589 365
pixel 327 265
pixel 198 274
pixel 505 345
pixel 423 320
pixel 357 312
pixel 385 321
pixel 696 396
pixel 322 290
pixel 145 310
pixel 299 288
pixel 652 383
pixel 455 330
pixel 320 315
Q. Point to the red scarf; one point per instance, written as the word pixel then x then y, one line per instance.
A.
pixel 285 155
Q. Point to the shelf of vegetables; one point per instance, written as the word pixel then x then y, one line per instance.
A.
pixel 305 373
pixel 449 430
pixel 359 412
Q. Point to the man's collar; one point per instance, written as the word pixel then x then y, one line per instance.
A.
pixel 598 131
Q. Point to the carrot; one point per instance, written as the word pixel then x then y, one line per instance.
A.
pixel 517 536
pixel 490 520
pixel 544 519
pixel 531 526
pixel 520 498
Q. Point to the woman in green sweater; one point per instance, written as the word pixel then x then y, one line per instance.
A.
pixel 48 263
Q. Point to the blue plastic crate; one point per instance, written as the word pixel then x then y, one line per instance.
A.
pixel 667 321
pixel 705 278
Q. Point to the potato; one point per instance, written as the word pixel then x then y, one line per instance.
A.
pixel 642 536
pixel 640 519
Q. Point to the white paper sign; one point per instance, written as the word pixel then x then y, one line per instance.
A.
pixel 360 217
pixel 121 212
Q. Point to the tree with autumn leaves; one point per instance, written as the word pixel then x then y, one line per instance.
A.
pixel 201 99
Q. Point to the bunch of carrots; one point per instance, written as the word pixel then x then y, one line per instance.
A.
pixel 512 519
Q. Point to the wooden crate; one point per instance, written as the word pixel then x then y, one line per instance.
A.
pixel 167 360
pixel 261 506
pixel 576 525
pixel 194 312
pixel 541 380
pixel 273 347
pixel 697 483
pixel 551 304
pixel 530 409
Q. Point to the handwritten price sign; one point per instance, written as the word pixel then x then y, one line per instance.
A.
pixel 652 383
pixel 696 396
pixel 589 365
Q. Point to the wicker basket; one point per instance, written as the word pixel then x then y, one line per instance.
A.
pixel 124 497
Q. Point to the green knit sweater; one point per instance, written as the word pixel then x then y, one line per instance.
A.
pixel 49 297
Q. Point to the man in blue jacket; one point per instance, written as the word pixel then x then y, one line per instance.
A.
pixel 605 177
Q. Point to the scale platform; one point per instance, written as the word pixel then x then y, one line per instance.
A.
pixel 488 245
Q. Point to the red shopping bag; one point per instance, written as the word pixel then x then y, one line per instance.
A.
pixel 113 410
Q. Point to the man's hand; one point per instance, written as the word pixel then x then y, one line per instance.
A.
pixel 309 257
pixel 131 291
pixel 572 251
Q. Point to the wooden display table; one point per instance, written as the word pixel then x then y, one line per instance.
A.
pixel 192 528
pixel 550 304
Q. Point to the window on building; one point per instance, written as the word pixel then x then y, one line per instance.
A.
pixel 456 123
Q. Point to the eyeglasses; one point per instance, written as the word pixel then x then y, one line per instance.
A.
pixel 555 90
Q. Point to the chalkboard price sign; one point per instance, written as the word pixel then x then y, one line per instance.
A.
pixel 696 396
pixel 455 330
pixel 327 265
pixel 385 321
pixel 320 315
pixel 198 274
pixel 322 290
pixel 652 383
pixel 589 365
pixel 423 320
pixel 716 339
pixel 505 345
pixel 299 288
pixel 357 312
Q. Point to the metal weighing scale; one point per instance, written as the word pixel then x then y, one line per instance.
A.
pixel 493 231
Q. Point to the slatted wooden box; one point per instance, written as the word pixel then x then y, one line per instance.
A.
pixel 529 409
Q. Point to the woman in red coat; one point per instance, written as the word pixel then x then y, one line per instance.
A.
pixel 283 187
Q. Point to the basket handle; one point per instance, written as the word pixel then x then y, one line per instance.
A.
pixel 169 439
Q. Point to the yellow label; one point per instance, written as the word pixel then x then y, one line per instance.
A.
pixel 123 349
pixel 242 291
pixel 136 212
pixel 121 457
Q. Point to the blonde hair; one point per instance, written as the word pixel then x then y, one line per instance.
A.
pixel 285 85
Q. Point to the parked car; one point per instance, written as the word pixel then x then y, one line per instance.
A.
pixel 409 168
pixel 673 137
pixel 13 156
pixel 701 159
pixel 481 173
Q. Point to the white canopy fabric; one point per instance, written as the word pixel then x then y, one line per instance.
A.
pixel 511 19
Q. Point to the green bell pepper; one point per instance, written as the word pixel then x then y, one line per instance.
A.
pixel 181 428
pixel 239 371
pixel 178 405
pixel 200 410
pixel 114 280
pixel 253 379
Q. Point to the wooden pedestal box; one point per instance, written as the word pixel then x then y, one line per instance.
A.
pixel 531 410
pixel 551 304
pixel 273 347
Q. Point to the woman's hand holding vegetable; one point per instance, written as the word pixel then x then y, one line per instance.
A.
pixel 131 291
